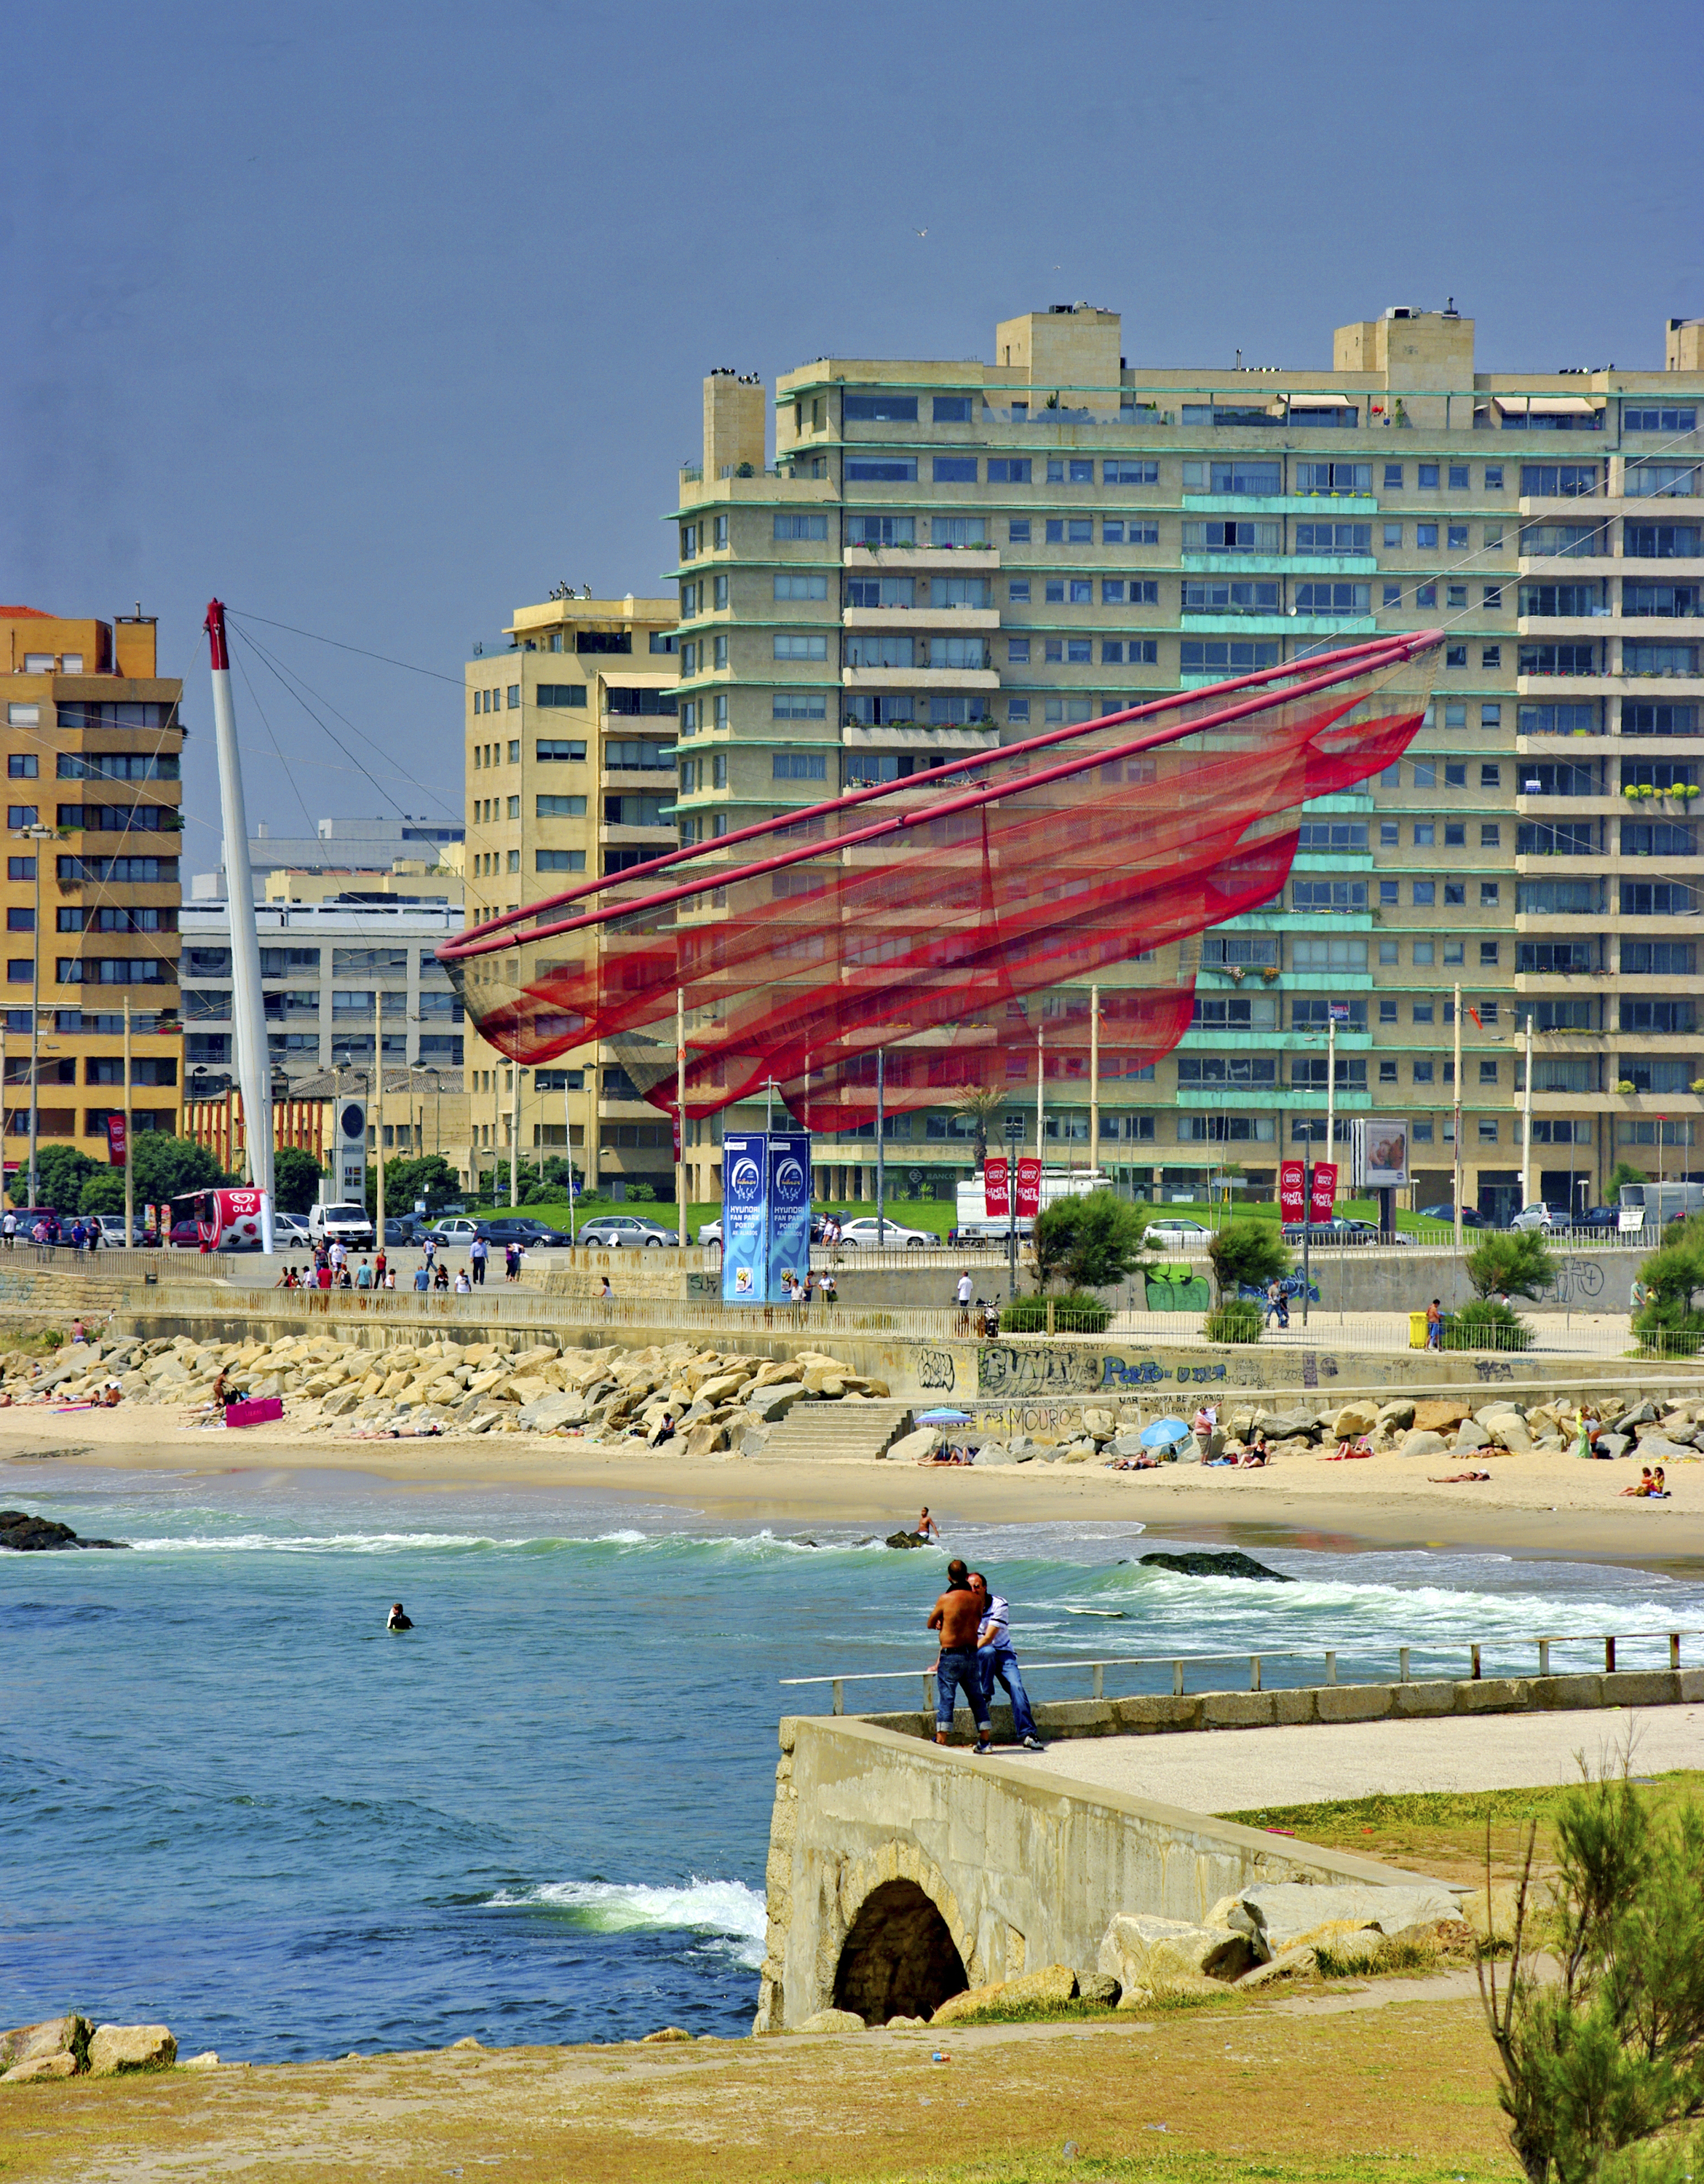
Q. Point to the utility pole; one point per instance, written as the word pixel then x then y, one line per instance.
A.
pixel 1014 1139
pixel 514 1076
pixel 1040 1083
pixel 681 1112
pixel 568 1155
pixel 130 1165
pixel 1456 1088
pixel 881 1144
pixel 37 835
pixel 1330 1090
pixel 1094 1077
pixel 496 1127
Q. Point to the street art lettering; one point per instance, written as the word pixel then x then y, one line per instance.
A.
pixel 935 1368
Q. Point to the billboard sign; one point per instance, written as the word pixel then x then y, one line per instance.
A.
pixel 1290 1201
pixel 1381 1154
pixel 997 1186
pixel 744 1225
pixel 349 1154
pixel 1028 1188
pixel 788 1210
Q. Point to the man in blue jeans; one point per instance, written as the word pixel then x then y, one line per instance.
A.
pixel 999 1664
pixel 956 1615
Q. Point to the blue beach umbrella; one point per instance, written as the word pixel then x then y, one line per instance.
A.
pixel 1163 1432
pixel 944 1417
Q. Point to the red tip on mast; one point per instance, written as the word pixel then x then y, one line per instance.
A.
pixel 214 627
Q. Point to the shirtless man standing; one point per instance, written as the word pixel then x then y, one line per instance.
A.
pixel 956 1615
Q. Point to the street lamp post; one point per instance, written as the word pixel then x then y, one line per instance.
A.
pixel 38 834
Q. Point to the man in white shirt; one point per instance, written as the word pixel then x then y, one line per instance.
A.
pixel 964 1290
pixel 999 1664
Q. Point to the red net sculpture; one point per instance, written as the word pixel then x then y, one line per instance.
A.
pixel 929 917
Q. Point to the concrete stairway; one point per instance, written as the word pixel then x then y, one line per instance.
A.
pixel 819 1428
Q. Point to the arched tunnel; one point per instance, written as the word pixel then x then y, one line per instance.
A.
pixel 899 1960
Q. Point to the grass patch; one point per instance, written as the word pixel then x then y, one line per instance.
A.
pixel 1390 1961
pixel 1077 2012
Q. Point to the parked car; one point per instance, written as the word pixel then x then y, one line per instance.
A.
pixel 862 1231
pixel 1599 1216
pixel 613 1230
pixel 1538 1216
pixel 456 1232
pixel 1336 1230
pixel 291 1230
pixel 1175 1230
pixel 544 1239
pixel 709 1232
pixel 186 1236
pixel 397 1231
pixel 1470 1217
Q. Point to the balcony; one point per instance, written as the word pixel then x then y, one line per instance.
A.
pixel 1281 503
pixel 1278 625
pixel 920 678
pixel 1279 564
pixel 910 618
pixel 963 560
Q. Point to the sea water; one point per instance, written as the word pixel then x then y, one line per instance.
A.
pixel 230 1800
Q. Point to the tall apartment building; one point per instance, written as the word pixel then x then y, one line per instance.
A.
pixel 946 555
pixel 93 760
pixel 570 772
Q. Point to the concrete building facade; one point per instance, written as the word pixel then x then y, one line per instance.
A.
pixel 571 773
pixel 94 743
pixel 943 556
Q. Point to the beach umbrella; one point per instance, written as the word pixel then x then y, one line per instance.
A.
pixel 1163 1432
pixel 944 1417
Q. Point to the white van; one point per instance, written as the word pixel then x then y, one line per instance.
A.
pixel 346 1224
pixel 976 1224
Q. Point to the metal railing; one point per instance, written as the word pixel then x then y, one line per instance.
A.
pixel 1473 1648
pixel 119 1265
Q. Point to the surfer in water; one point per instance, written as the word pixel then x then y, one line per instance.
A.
pixel 397 1620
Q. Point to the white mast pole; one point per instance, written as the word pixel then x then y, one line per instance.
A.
pixel 253 1063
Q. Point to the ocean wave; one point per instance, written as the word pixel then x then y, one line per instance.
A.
pixel 742 1547
pixel 723 1911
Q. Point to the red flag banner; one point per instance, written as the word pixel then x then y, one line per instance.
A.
pixel 1324 1189
pixel 1028 1188
pixel 117 1148
pixel 996 1185
pixel 1290 1190
pixel 677 1119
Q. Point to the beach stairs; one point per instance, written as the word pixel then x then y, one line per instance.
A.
pixel 828 1428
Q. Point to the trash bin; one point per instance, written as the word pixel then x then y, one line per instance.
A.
pixel 1417 1330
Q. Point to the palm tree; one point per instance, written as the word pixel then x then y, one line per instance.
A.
pixel 981 1104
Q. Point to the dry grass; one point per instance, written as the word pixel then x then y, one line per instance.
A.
pixel 1250 2089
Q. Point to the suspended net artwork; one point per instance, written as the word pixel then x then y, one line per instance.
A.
pixel 928 918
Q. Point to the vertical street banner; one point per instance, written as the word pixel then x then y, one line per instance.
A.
pixel 1325 1190
pixel 788 1210
pixel 1028 1188
pixel 744 1227
pixel 997 1186
pixel 117 1150
pixel 1290 1188
pixel 675 1117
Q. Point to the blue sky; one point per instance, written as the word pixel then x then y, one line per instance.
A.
pixel 379 320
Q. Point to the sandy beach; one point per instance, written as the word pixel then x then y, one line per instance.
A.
pixel 1533 1504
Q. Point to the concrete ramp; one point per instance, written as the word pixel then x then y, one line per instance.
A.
pixel 900 1873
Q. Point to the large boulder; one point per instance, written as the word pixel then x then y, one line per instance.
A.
pixel 1657 1448
pixel 1294 1914
pixel 1290 1425
pixel 1508 1429
pixel 913 1447
pixel 1470 1435
pixel 834 2020
pixel 560 1408
pixel 116 2048
pixel 775 1399
pixel 992 1454
pixel 1213 1563
pixel 1418 1442
pixel 55 2039
pixel 1396 1416
pixel 26 1535
pixel 1149 1956
pixel 1054 1984
pixel 1441 1414
pixel 1354 1419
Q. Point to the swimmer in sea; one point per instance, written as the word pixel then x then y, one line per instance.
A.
pixel 397 1620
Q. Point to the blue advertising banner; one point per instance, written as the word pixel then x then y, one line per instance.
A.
pixel 789 1209
pixel 744 1223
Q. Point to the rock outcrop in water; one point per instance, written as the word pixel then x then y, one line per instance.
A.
pixel 1229 1563
pixel 26 1535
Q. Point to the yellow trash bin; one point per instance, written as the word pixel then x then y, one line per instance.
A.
pixel 1417 1330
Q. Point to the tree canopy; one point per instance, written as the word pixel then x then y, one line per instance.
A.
pixel 1091 1242
pixel 1247 1251
pixel 1519 1264
pixel 295 1178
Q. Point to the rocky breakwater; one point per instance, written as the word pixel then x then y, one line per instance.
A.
pixel 70 2047
pixel 24 1534
pixel 720 1403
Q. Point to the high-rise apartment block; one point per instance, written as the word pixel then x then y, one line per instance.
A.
pixel 944 556
pixel 93 749
pixel 570 775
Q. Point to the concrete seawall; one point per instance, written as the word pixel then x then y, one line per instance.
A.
pixel 899 1874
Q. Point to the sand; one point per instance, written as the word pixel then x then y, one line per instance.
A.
pixel 1534 1505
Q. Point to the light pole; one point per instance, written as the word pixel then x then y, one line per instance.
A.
pixel 1455 1086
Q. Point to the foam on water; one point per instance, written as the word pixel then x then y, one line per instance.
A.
pixel 725 1911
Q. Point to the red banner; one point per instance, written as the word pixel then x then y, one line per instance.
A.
pixel 676 1120
pixel 1324 1189
pixel 1290 1190
pixel 996 1184
pixel 116 1148
pixel 1028 1189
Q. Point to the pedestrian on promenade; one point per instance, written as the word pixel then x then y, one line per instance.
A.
pixel 423 1275
pixel 379 1263
pixel 964 1290
pixel 956 1615
pixel 363 1276
pixel 511 1264
pixel 338 1255
pixel 463 1286
pixel 9 1229
pixel 1435 1325
pixel 431 1248
pixel 477 1253
pixel 606 1291
pixel 827 1289
pixel 1000 1662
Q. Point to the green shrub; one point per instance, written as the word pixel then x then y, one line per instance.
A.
pixel 1248 1252
pixel 1090 1242
pixel 1075 1311
pixel 1517 1264
pixel 1240 1320
pixel 1485 1324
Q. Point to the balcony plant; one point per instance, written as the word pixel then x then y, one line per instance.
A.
pixel 1626 1086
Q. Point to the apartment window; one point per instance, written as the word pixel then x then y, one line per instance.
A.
pixel 1333 477
pixel 1494 483
pixel 798 766
pixel 1242 658
pixel 1489 894
pixel 880 408
pixel 560 807
pixel 1340 896
pixel 720 536
pixel 1389 894
pixel 1127 530
pixel 514 697
pixel 22 765
pixel 1017 709
pixel 1393 534
pixel 559 861
pixel 1422 953
pixel 1070 531
pixel 1488 1129
pixel 1078 469
pixel 1392 595
pixel 1425 833
pixel 1426 477
pixel 1124 469
pixel 719 770
pixel 1333 599
pixel 801 585
pixel 1425 894
pixel 956 470
pixel 1661 479
pixel 1017 651
pixel 20 814
pixel 1458 477
pixel 554 750
pixel 1425 773
pixel 515 807
pixel 798 706
pixel 1658 420
pixel 1017 531
pixel 1226 595
pixel 1455 773
pixel 1454 834
pixel 1389 834
pixel 952 408
pixel 798 646
pixel 801 527
pixel 1393 476
pixel 1426 534
pixel 1141 591
pixel 888 470
pixel 1455 655
pixel 1560 481
pixel 1424 1070
pixel 560 694
pixel 1227 537
pixel 1008 470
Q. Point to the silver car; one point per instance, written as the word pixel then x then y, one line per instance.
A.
pixel 613 1230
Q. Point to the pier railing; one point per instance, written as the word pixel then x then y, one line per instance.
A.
pixel 1471 1650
